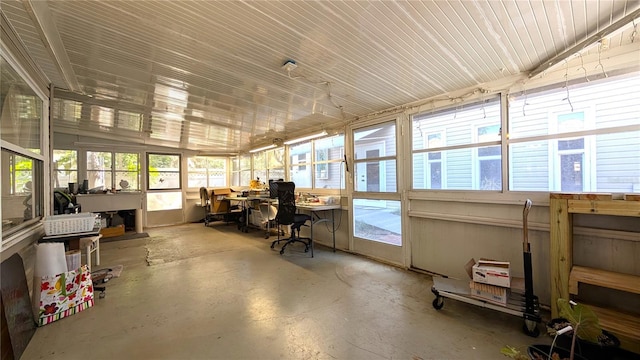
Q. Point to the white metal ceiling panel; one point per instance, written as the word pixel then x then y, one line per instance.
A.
pixel 207 75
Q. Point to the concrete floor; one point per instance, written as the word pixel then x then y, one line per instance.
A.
pixel 196 292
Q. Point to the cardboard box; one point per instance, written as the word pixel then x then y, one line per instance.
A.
pixel 112 231
pixel 490 293
pixel 492 272
pixel 218 204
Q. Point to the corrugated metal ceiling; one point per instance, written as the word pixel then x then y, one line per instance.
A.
pixel 207 75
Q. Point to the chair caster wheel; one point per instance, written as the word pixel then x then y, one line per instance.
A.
pixel 282 252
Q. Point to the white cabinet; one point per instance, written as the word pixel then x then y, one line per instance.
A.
pixel 113 202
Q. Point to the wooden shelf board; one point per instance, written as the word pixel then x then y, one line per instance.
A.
pixel 604 207
pixel 608 279
pixel 617 322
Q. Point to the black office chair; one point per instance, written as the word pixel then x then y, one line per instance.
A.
pixel 287 216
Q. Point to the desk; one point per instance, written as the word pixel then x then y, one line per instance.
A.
pixel 317 219
pixel 314 208
pixel 243 200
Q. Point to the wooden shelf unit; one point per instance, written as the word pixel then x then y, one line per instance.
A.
pixel 608 279
pixel 565 277
pixel 619 323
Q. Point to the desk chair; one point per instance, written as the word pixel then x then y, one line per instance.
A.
pixel 206 204
pixel 287 216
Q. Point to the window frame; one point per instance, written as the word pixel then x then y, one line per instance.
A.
pixel 478 158
pixel 311 163
pixel 114 170
pixel 553 101
pixel 208 159
pixel 442 160
pixel 57 169
pixel 40 182
pixel 381 159
pixel 273 168
pixel 474 143
pixel 555 154
pixel 150 172
pixel 302 164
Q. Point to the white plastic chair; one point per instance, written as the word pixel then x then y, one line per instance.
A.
pixel 268 213
pixel 90 245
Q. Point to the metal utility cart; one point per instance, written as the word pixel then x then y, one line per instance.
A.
pixel 216 207
pixel 521 302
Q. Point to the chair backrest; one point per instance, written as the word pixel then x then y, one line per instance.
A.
pixel 286 203
pixel 273 188
pixel 268 211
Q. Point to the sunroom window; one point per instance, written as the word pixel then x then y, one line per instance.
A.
pixel 22 162
pixel 590 144
pixel 458 148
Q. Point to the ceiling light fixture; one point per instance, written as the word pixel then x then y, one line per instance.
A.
pixel 289 66
pixel 263 148
pixel 309 137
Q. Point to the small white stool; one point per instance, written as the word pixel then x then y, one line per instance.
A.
pixel 91 244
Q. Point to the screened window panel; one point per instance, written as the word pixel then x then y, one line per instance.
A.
pixel 21 200
pixel 99 165
pixel 206 171
pixel 377 220
pixel 163 171
pixel 469 124
pixel 65 167
pixel 301 175
pixel 471 165
pixel 375 142
pixel 608 161
pixel 21 110
pixel 376 176
pixel 607 103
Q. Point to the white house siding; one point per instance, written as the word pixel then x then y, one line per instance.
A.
pixel 419 171
pixel 391 174
pixel 458 169
pixel 458 126
pixel 335 170
pixel 618 162
pixel 529 165
pixel 527 119
pixel 614 158
pixel 387 137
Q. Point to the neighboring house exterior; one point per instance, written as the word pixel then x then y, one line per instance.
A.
pixel 583 139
